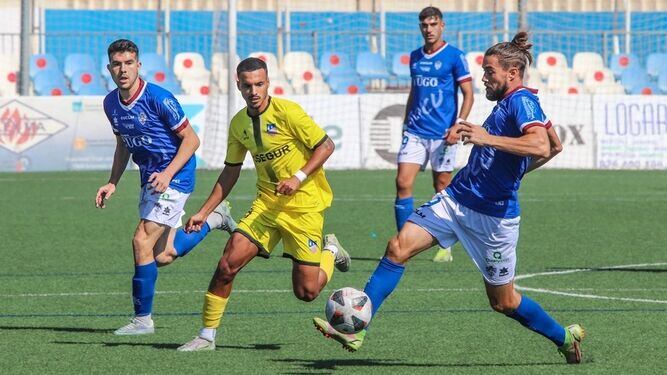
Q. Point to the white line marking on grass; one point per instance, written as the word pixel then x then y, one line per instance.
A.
pixel 589 296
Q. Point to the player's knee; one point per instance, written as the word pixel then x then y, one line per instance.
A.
pixel 226 271
pixel 403 184
pixel 164 259
pixel 395 252
pixel 305 294
pixel 505 307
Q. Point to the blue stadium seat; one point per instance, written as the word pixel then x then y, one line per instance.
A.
pixel 662 80
pixel 345 83
pixel 632 77
pixel 335 61
pixel 152 62
pixel 82 78
pixel 76 62
pixel 619 63
pixel 655 63
pixel 47 78
pixel 649 88
pixel 104 61
pixel 41 62
pixel 400 65
pixel 371 66
pixel 95 88
pixel 160 77
pixel 171 86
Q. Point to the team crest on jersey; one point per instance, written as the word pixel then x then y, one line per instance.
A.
pixel 142 118
pixel 437 65
pixel 312 245
pixel 271 129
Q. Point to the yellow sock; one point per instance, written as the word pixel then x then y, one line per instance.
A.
pixel 214 307
pixel 327 263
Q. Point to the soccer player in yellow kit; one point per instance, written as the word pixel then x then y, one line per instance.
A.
pixel 288 149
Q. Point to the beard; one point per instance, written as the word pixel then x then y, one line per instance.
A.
pixel 497 94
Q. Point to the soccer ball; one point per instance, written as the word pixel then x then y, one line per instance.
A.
pixel 349 310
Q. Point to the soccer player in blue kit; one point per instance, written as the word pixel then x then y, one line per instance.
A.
pixel 480 207
pixel 438 70
pixel 150 125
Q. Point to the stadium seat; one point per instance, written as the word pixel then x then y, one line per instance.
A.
pixel 400 65
pixel 9 61
pixel 81 78
pixel 171 86
pixel 475 59
pixel 196 82
pixel 655 63
pixel 574 88
pixel 344 83
pixel 46 79
pixel 77 62
pixel 550 61
pixel 317 88
pixel 632 77
pixel 371 66
pixel 559 79
pixel 607 88
pixel 295 64
pixel 532 79
pixel 159 77
pixel 618 63
pixel 41 62
pixel 188 63
pixel 307 78
pixel 95 88
pixel 219 61
pixel 151 62
pixel 335 61
pixel 269 58
pixel 583 62
pixel 279 88
pixel 648 88
pixel 8 78
pixel 662 80
pixel 599 77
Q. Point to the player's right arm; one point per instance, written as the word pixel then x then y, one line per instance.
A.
pixel 120 158
pixel 224 184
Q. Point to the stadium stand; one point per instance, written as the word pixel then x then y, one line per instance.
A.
pixel 77 62
pixel 372 68
pixel 584 62
pixel 655 62
pixel 335 62
pixel 41 62
pixel 620 62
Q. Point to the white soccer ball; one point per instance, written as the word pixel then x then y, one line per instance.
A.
pixel 349 310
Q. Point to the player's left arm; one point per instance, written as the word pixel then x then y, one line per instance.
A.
pixel 533 143
pixel 464 81
pixel 555 147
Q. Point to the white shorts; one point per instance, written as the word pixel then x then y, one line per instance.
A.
pixel 417 150
pixel 166 208
pixel 489 241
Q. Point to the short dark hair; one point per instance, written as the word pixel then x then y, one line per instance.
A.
pixel 250 65
pixel 122 45
pixel 429 12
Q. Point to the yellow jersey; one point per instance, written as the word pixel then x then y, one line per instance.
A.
pixel 281 140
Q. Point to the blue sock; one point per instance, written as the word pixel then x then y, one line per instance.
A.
pixel 383 281
pixel 143 288
pixel 184 242
pixel 531 315
pixel 402 210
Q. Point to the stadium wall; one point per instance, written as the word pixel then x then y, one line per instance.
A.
pixel 598 132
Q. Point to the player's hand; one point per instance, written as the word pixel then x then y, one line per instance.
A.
pixel 289 186
pixel 452 135
pixel 103 193
pixel 159 181
pixel 195 223
pixel 471 133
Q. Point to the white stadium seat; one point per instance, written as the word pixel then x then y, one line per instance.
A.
pixel 296 63
pixel 549 61
pixel 583 62
pixel 187 63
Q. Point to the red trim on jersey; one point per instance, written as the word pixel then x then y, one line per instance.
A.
pixel 533 124
pixel 534 91
pixel 467 79
pixel 135 96
pixel 548 125
pixel 434 52
pixel 183 126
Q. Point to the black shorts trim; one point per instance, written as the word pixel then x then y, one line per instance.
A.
pixel 300 261
pixel 233 164
pixel 261 251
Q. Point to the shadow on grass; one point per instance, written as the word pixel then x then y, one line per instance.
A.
pixel 336 364
pixel 57 329
pixel 171 346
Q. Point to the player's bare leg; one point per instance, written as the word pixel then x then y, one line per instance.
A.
pixel 239 251
pixel 440 181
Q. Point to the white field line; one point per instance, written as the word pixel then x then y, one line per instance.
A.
pixel 589 296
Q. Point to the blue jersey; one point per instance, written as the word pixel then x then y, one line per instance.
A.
pixel 148 124
pixel 489 182
pixel 435 81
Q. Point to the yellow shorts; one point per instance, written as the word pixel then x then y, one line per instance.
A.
pixel 301 232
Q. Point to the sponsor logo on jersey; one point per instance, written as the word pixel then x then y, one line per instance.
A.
pixel 274 154
pixel 22 127
pixel 425 81
pixel 271 129
pixel 503 272
pixel 490 270
pixel 133 141
pixel 127 117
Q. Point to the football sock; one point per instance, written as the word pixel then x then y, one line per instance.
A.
pixel 143 288
pixel 184 242
pixel 402 210
pixel 214 307
pixel 531 315
pixel 383 281
pixel 146 320
pixel 327 263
